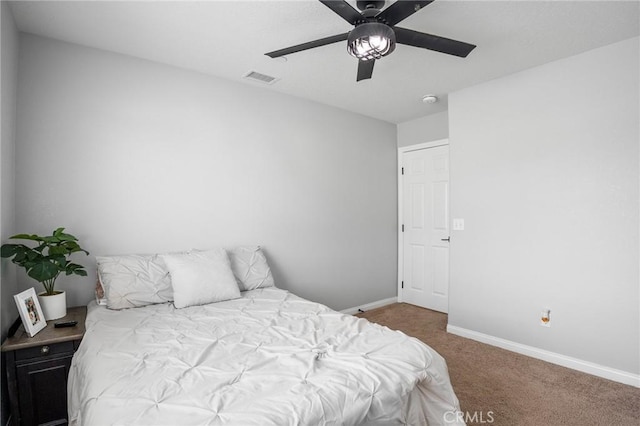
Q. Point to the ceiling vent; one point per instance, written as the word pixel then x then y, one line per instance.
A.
pixel 262 78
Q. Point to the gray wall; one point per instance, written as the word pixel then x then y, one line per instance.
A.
pixel 544 170
pixel 424 129
pixel 9 50
pixel 134 156
pixel 9 78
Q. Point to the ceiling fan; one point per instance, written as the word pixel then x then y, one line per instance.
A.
pixel 375 34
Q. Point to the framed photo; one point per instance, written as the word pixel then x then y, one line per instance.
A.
pixel 30 311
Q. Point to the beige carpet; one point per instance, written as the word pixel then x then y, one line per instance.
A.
pixel 499 387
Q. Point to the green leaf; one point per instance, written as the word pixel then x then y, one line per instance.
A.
pixel 20 257
pixel 74 266
pixel 28 264
pixel 58 250
pixel 66 237
pixel 43 270
pixel 32 237
pixel 33 255
pixel 51 240
pixel 72 245
pixel 8 250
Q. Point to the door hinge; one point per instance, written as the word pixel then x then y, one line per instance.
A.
pixel 402 284
pixel 403 227
pixel 403 170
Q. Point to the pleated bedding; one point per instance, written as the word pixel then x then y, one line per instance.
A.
pixel 267 358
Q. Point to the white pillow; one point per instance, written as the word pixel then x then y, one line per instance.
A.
pixel 201 277
pixel 250 267
pixel 134 280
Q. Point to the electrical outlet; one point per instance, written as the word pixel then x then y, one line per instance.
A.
pixel 545 318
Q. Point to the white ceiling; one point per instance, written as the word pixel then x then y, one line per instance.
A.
pixel 229 38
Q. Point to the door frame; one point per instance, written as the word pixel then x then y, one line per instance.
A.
pixel 401 151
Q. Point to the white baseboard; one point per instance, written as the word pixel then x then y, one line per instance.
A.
pixel 552 357
pixel 368 306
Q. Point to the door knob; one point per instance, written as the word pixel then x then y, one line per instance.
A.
pixel 446 239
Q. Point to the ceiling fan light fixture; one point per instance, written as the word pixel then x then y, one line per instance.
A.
pixel 371 40
pixel 376 33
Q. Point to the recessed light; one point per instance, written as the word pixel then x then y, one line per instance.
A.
pixel 430 99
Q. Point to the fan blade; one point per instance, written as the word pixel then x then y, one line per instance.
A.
pixel 433 42
pixel 308 45
pixel 365 69
pixel 344 9
pixel 401 10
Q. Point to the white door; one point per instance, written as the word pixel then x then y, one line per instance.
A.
pixel 425 211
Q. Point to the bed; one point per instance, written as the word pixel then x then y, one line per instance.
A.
pixel 263 357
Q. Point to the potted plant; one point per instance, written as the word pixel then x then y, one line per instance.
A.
pixel 44 263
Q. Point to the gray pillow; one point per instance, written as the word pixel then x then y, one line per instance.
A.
pixel 250 268
pixel 134 280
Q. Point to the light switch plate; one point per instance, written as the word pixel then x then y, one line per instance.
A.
pixel 458 224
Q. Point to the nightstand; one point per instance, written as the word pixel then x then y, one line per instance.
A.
pixel 37 370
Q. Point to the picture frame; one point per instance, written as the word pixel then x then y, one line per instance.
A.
pixel 30 311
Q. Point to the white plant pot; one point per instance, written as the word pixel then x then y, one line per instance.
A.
pixel 53 306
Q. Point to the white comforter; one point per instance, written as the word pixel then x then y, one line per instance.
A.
pixel 268 358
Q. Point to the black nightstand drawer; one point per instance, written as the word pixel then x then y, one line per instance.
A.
pixel 38 368
pixel 44 351
pixel 43 394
